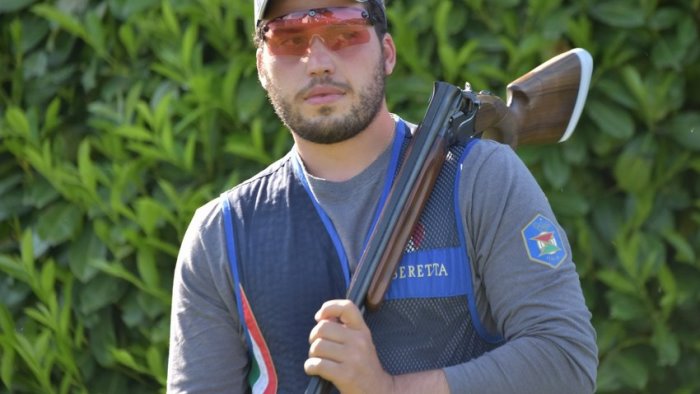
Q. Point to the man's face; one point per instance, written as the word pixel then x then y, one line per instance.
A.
pixel 324 89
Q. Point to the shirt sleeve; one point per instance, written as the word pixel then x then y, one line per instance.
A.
pixel 208 353
pixel 537 306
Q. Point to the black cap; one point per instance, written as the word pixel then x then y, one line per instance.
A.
pixel 261 6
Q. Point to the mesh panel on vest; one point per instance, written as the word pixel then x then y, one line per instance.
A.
pixel 447 338
pixel 433 230
pixel 416 334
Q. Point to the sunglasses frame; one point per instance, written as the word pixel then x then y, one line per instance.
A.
pixel 374 10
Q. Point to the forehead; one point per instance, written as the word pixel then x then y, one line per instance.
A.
pixel 282 7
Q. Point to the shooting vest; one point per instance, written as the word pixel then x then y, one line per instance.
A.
pixel 286 260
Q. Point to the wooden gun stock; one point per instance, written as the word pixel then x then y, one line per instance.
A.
pixel 543 106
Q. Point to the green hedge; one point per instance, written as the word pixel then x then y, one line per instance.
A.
pixel 118 118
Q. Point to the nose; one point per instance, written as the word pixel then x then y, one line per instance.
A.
pixel 319 60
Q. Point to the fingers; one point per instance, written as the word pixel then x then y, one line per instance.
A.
pixel 342 350
pixel 343 311
pixel 329 347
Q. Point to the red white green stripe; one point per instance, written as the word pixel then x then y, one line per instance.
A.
pixel 262 377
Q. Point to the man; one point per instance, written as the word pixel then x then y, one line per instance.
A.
pixel 486 298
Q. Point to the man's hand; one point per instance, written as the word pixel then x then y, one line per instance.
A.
pixel 343 353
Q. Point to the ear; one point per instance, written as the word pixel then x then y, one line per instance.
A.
pixel 262 75
pixel 389 53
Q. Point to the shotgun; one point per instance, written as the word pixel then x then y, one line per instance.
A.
pixel 543 106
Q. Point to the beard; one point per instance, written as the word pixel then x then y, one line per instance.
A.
pixel 327 128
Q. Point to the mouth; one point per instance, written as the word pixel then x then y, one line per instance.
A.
pixel 323 94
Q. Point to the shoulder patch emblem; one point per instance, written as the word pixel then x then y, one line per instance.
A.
pixel 543 242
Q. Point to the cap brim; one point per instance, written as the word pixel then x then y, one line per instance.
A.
pixel 261 5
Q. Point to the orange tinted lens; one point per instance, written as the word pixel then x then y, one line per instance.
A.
pixel 296 42
pixel 337 27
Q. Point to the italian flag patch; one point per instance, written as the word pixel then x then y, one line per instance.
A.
pixel 262 377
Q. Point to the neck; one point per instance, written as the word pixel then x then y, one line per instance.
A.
pixel 343 160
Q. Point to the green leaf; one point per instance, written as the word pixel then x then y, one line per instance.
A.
pixel 85 166
pixel 31 355
pixel 67 22
pixel 668 284
pixel 102 338
pixel 118 270
pixel 189 41
pixel 148 270
pixel 6 322
pixel 665 18
pixel 569 204
pixel 250 99
pixel 556 170
pixel 619 13
pixel 59 223
pixel 9 6
pixel 41 315
pixel 633 80
pixel 125 358
pixel 151 214
pixel 86 249
pixel 66 312
pixel 684 250
pixel 27 253
pixel 132 315
pixel 156 364
pixel 11 206
pixel 39 194
pixel 170 19
pixel 633 171
pixel 14 268
pixel 152 306
pixel 632 370
pixel 10 183
pixel 128 39
pixel 47 281
pixel 617 281
pixel 137 133
pixel 7 366
pixel 100 292
pixel 611 119
pixel 162 111
pixel 123 9
pixel 95 33
pixel 17 122
pixel 35 65
pixel 51 117
pixel 652 254
pixel 666 344
pixel 685 130
pixel 626 307
pixel 188 155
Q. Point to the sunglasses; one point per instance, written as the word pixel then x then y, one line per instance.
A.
pixel 337 27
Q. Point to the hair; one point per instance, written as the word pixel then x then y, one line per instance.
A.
pixel 374 7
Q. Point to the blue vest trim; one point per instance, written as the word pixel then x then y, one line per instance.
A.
pixel 233 261
pixel 471 298
pixel 340 250
pixel 430 273
pixel 400 136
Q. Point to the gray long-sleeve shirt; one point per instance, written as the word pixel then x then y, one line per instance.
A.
pixel 538 309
